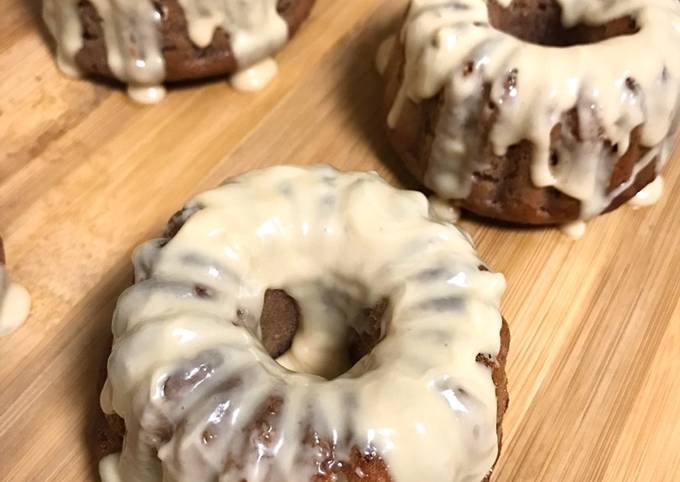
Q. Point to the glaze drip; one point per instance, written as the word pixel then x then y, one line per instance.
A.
pixel 650 195
pixel 193 382
pixel 134 44
pixel 255 77
pixel 255 27
pixel 611 87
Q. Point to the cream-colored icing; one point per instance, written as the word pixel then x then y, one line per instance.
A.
pixel 106 399
pixel 255 27
pixel 382 57
pixel 146 94
pixel 15 304
pixel 61 17
pixel 574 230
pixel 256 77
pixel 133 40
pixel 615 85
pixel 650 195
pixel 108 468
pixel 443 210
pixel 337 243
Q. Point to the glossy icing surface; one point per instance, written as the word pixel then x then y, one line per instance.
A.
pixel 615 86
pixel 194 384
pixel 133 42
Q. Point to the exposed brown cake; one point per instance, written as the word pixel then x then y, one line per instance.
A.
pixel 501 186
pixel 183 59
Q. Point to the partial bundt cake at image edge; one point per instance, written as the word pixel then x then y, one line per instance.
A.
pixel 147 43
pixel 542 111
pixel 15 301
pixel 279 359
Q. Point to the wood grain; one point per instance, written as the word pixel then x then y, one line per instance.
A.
pixel 85 176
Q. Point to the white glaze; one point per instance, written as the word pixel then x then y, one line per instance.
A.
pixel 15 304
pixel 146 95
pixel 650 195
pixel 256 77
pixel 255 28
pixel 443 210
pixel 63 23
pixel 574 230
pixel 108 468
pixel 419 399
pixel 382 57
pixel 440 39
pixel 133 41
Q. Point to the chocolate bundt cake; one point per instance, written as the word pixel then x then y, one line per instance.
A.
pixel 145 43
pixel 15 302
pixel 536 111
pixel 300 324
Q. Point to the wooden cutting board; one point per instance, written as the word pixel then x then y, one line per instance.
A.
pixel 85 175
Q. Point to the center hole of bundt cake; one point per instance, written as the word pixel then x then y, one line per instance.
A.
pixel 540 22
pixel 323 349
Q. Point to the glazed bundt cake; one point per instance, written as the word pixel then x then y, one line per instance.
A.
pixel 145 43
pixel 536 111
pixel 301 324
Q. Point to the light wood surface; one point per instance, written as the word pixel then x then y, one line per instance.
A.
pixel 85 175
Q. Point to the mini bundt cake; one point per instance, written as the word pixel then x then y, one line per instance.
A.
pixel 535 111
pixel 301 324
pixel 15 302
pixel 145 43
